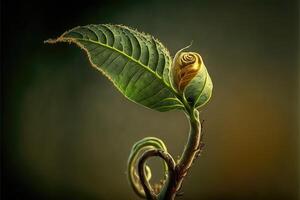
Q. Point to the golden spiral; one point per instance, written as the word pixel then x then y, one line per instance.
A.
pixel 185 65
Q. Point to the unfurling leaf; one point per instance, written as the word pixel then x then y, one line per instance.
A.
pixel 136 63
pixel 191 78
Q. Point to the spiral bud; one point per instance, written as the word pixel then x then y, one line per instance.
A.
pixel 190 78
pixel 186 66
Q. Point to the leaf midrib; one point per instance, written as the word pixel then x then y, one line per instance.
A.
pixel 130 58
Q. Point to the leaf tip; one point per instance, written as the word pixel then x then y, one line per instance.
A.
pixel 56 40
pixel 52 41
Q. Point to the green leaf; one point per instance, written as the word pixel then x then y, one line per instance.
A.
pixel 136 63
pixel 199 90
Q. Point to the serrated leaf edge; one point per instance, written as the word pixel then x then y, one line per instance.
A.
pixel 72 40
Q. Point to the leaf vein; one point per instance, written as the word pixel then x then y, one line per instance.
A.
pixel 135 61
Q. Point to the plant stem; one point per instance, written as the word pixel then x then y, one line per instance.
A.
pixel 191 150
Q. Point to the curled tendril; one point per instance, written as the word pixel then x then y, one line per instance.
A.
pixel 140 181
pixel 150 194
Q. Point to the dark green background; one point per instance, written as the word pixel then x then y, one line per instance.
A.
pixel 67 133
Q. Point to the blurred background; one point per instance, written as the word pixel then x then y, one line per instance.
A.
pixel 66 132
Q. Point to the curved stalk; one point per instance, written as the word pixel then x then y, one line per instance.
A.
pixel 191 151
pixel 175 173
pixel 192 148
pixel 138 148
pixel 150 194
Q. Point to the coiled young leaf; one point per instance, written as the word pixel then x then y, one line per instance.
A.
pixel 136 63
pixel 199 89
pixel 190 78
